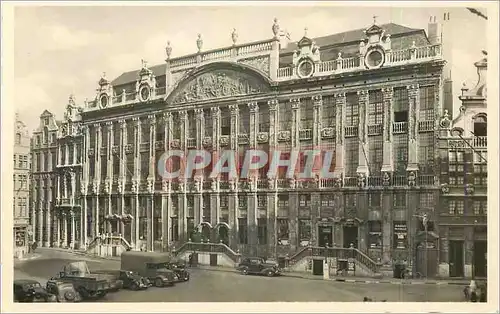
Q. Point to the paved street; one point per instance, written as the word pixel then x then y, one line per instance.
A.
pixel 220 286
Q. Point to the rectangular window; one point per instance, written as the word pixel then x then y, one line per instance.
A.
pixel 306 113
pixel 262 230
pixel 374 199
pixel 206 211
pixel 399 199
pixel 264 115
pixel 144 165
pixel 401 104
pixel 262 201
pixel 426 153
pixel 427 103
pixel 242 201
pixel 400 153
pixel 376 155
pixel 305 200
pixel 176 127
pixel 456 167
pixel 328 112
pixel 375 107
pixel 225 120
pixel 160 130
pixel 244 119
pixel 208 122
pixel 243 230
pixel 223 200
pixel 327 200
pixel 352 109
pixel 145 131
pixel 351 156
pixel 350 200
pixel 456 207
pixel 283 201
pixel 426 200
pixel 285 116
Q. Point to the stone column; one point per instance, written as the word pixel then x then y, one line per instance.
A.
pixel 151 180
pixel 182 215
pixel 363 167
pixel 233 195
pixel 271 221
pixel 73 188
pixel 252 210
pixel 97 178
pixel 149 215
pixel 200 127
pixel 136 179
pixel 66 160
pixel 123 168
pixel 295 104
pixel 57 242
pixel 293 215
pixel 216 131
pixel 340 102
pixel 48 216
pixel 59 155
pixel 317 105
pixel 271 194
pixel 109 168
pixel 414 104
pixel 165 201
pixel 73 230
pixel 40 225
pixel 388 164
pixel 64 234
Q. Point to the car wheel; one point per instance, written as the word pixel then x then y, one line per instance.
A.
pixel 186 278
pixel 134 286
pixel 244 271
pixel 158 282
pixel 270 273
pixel 69 295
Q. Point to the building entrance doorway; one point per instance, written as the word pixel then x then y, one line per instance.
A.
pixel 456 258
pixel 325 236
pixel 480 252
pixel 350 236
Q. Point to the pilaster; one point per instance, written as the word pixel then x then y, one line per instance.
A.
pixel 340 102
pixel 295 104
pixel 73 230
pixel 317 113
pixel 233 219
pixel 252 215
pixel 388 163
pixel 271 220
pixel 293 219
pixel 363 135
pixel 254 123
pixel 413 94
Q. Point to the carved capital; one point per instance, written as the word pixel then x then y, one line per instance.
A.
pixel 109 122
pixel 317 100
pixel 254 107
pixel 234 109
pixel 167 115
pixel 295 103
pixel 182 115
pixel 152 119
pixel 363 95
pixel 123 123
pixel 199 113
pixel 273 104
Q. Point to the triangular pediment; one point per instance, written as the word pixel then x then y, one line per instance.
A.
pixel 304 42
pixel 218 83
pixel 46 113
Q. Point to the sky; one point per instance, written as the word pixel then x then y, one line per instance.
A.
pixel 63 50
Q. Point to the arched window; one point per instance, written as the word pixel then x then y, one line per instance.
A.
pixel 480 125
pixel 18 138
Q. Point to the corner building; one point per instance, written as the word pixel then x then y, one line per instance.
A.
pixel 372 96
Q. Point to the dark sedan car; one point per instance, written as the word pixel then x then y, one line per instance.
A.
pixel 258 266
pixel 28 290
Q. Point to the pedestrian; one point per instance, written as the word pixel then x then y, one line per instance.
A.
pixel 34 246
pixel 190 261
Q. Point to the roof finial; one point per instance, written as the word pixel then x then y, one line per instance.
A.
pixel 103 75
pixel 305 31
pixel 375 20
pixel 199 43
pixel 144 64
pixel 168 49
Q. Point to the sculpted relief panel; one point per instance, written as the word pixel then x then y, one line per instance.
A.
pixel 260 63
pixel 218 84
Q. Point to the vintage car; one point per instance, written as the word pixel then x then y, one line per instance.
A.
pixel 28 290
pixel 62 291
pixel 90 286
pixel 179 267
pixel 258 266
pixel 151 265
pixel 130 279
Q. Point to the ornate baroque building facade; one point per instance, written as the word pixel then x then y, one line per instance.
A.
pixel 56 148
pixel 464 179
pixel 372 96
pixel 21 188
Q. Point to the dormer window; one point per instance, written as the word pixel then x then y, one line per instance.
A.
pixel 480 126
pixel 46 121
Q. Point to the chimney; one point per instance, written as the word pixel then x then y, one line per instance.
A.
pixel 433 31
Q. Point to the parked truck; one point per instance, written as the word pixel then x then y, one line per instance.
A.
pixel 89 286
pixel 157 267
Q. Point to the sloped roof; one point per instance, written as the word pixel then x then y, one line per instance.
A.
pixel 354 35
pixel 334 39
